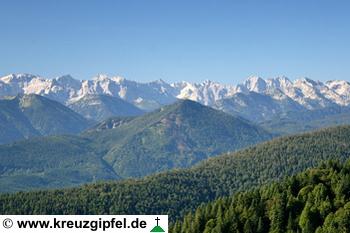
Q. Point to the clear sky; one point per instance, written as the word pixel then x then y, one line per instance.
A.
pixel 144 40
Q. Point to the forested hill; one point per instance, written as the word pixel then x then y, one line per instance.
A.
pixel 177 192
pixel 28 116
pixel 317 200
pixel 174 136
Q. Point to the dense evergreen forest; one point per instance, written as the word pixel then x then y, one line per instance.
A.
pixel 177 192
pixel 317 200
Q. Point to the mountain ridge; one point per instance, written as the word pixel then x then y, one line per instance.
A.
pixel 101 107
pixel 180 135
pixel 173 136
pixel 25 116
pixel 307 93
pixel 266 102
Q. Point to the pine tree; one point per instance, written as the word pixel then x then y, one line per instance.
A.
pixel 209 226
pixel 277 215
pixel 248 227
pixel 176 228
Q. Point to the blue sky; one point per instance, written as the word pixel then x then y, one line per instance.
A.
pixel 144 40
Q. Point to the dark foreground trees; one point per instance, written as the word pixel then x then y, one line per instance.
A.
pixel 317 200
pixel 177 192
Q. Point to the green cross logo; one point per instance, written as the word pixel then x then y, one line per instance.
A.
pixel 157 228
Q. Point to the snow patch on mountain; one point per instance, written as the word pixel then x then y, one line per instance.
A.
pixel 305 92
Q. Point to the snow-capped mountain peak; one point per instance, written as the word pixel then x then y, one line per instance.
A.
pixel 11 78
pixel 256 84
pixel 207 92
pixel 160 82
pixel 305 92
pixel 280 82
pixel 100 77
pixel 339 86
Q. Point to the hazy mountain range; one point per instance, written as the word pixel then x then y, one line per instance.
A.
pixel 100 107
pixel 27 116
pixel 135 142
pixel 174 136
pixel 272 96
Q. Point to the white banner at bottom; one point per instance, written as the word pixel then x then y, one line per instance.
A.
pixel 83 223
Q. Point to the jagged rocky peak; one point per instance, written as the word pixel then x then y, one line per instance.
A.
pixel 67 80
pixel 339 86
pixel 118 79
pixel 18 78
pixel 65 89
pixel 160 82
pixel 105 77
pixel 308 82
pixel 280 82
pixel 100 77
pixel 255 83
